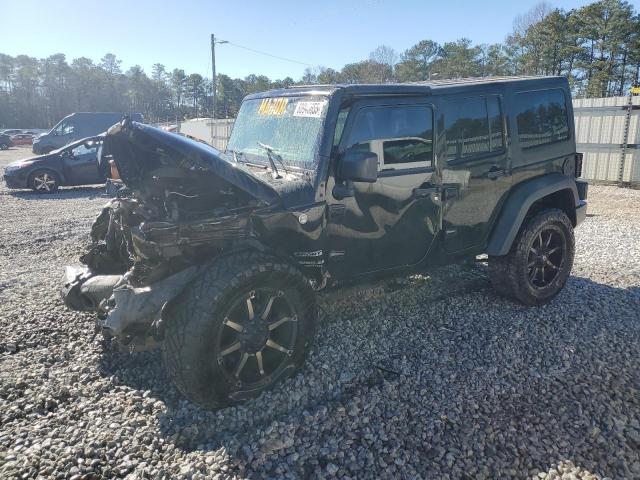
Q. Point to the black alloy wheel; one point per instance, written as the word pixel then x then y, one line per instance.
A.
pixel 546 256
pixel 540 259
pixel 257 337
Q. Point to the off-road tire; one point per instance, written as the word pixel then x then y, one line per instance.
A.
pixel 509 273
pixel 33 179
pixel 4 146
pixel 194 319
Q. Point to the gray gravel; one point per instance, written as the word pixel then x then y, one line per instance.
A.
pixel 420 377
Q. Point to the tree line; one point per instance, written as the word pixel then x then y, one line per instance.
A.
pixel 596 46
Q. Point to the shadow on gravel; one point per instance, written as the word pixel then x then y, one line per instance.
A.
pixel 64 193
pixel 490 394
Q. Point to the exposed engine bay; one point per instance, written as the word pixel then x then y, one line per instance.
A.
pixel 182 205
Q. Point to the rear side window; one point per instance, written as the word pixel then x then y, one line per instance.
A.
pixel 473 127
pixel 542 118
pixel 401 136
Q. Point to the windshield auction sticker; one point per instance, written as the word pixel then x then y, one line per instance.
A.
pixel 273 106
pixel 309 109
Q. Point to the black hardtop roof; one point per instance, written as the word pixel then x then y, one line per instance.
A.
pixel 432 87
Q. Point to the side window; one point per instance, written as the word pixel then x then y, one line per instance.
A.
pixel 82 150
pixel 496 139
pixel 401 136
pixel 542 118
pixel 473 127
pixel 67 129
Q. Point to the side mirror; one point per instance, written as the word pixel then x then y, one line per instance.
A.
pixel 358 166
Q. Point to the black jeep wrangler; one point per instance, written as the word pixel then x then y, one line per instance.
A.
pixel 217 254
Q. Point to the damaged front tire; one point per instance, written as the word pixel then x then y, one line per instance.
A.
pixel 238 329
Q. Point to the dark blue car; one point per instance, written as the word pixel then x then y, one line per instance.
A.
pixel 74 164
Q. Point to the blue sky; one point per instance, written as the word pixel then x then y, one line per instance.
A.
pixel 327 32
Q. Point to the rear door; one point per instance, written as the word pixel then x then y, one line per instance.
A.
pixel 476 175
pixel 81 165
pixel 394 221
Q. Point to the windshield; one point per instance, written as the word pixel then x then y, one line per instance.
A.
pixel 290 125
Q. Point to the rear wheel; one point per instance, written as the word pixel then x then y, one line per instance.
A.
pixel 540 260
pixel 239 329
pixel 4 146
pixel 44 181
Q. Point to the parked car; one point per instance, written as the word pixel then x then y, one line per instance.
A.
pixel 217 255
pixel 5 141
pixel 22 139
pixel 77 126
pixel 12 131
pixel 75 164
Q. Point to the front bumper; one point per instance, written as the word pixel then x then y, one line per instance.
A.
pixel 124 310
pixel 38 148
pixel 15 180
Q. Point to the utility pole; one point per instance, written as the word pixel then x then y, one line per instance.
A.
pixel 213 75
pixel 214 82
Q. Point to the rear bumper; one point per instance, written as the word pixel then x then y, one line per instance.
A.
pixel 581 212
pixel 581 208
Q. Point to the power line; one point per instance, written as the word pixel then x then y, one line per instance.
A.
pixel 270 55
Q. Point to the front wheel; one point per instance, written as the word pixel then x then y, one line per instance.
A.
pixel 540 259
pixel 239 329
pixel 44 181
pixel 4 146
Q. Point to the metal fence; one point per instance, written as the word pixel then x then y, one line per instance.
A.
pixel 214 132
pixel 607 132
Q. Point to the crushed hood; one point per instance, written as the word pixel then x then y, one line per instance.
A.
pixel 139 149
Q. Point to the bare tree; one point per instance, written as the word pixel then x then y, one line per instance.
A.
pixel 534 15
pixel 384 55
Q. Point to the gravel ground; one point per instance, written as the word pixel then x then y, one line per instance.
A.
pixel 420 377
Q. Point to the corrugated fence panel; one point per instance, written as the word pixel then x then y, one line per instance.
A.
pixel 600 125
pixel 201 128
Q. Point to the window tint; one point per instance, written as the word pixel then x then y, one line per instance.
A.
pixel 473 127
pixel 494 111
pixel 400 135
pixel 542 118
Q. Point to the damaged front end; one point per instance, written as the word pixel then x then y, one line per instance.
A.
pixel 183 205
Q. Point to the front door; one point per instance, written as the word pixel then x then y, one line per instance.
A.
pixel 392 222
pixel 476 175
pixel 81 165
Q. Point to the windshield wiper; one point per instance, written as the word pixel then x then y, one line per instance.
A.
pixel 236 155
pixel 271 154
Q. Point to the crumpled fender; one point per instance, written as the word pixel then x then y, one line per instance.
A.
pixel 141 306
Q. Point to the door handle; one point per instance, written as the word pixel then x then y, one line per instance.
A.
pixel 495 173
